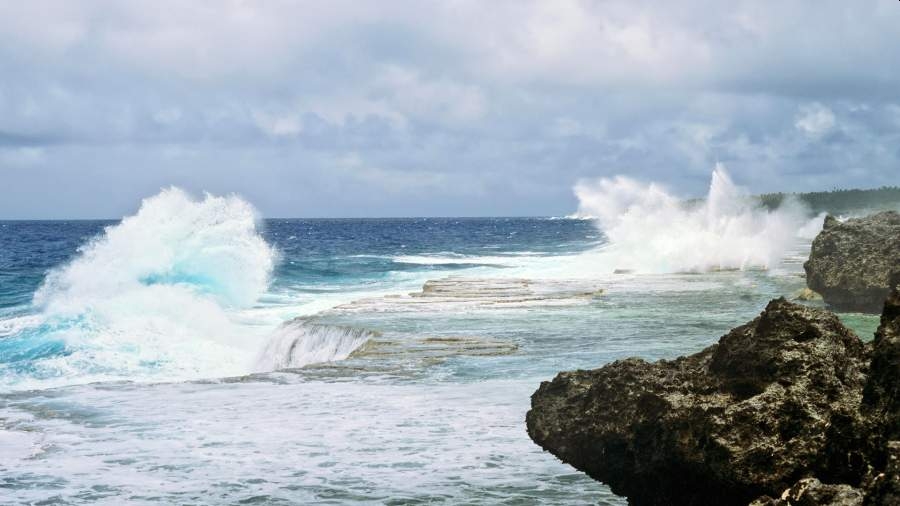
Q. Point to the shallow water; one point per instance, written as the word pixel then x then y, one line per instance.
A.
pixel 426 405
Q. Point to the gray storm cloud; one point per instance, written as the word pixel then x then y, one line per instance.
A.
pixel 456 108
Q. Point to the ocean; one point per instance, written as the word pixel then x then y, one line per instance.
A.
pixel 195 352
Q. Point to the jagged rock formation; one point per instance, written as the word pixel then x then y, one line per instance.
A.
pixel 788 409
pixel 850 262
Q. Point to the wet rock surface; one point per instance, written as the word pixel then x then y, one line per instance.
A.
pixel 850 262
pixel 456 293
pixel 791 408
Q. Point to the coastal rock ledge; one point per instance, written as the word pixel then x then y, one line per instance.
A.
pixel 850 262
pixel 791 408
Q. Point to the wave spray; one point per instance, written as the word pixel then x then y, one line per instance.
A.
pixel 156 296
pixel 652 231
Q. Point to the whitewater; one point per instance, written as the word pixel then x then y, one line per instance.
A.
pixel 197 352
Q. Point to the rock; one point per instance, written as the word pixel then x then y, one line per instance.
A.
pixel 850 262
pixel 459 293
pixel 776 400
pixel 812 492
pixel 884 488
pixel 879 429
pixel 790 409
pixel 881 399
pixel 806 295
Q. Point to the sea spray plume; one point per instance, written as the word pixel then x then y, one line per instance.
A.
pixel 156 294
pixel 209 246
pixel 811 229
pixel 650 230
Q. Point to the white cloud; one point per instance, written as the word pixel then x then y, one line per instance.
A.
pixel 441 100
pixel 389 180
pixel 520 96
pixel 815 120
pixel 278 125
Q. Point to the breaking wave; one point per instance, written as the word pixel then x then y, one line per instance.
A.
pixel 298 343
pixel 652 231
pixel 155 296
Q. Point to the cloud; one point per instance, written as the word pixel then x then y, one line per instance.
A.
pixel 278 125
pixel 167 116
pixel 439 100
pixel 390 181
pixel 815 120
pixel 451 108
pixel 19 157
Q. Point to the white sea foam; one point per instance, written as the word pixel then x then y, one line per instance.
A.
pixel 16 324
pixel 178 291
pixel 156 295
pixel 452 259
pixel 652 231
pixel 298 343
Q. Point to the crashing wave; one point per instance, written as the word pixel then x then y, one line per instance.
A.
pixel 156 296
pixel 299 342
pixel 652 231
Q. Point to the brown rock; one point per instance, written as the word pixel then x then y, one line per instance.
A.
pixel 776 400
pixel 851 262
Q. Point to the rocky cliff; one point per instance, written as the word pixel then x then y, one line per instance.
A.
pixel 790 408
pixel 850 262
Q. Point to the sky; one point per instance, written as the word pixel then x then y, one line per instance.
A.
pixel 437 108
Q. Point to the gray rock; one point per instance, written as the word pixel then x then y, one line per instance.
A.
pixel 789 409
pixel 881 403
pixel 774 401
pixel 806 295
pixel 850 262
pixel 882 392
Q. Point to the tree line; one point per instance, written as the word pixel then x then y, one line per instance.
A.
pixel 839 200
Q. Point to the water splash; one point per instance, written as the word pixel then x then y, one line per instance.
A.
pixel 298 343
pixel 652 231
pixel 155 296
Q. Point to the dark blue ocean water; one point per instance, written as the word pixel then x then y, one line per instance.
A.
pixel 193 354
pixel 317 263
pixel 312 250
pixel 353 249
pixel 130 354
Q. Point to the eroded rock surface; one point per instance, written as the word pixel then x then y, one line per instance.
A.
pixel 455 293
pixel 850 263
pixel 746 417
pixel 791 408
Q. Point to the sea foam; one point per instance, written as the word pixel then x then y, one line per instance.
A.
pixel 298 343
pixel 155 296
pixel 652 231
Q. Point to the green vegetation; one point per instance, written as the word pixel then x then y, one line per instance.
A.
pixel 840 201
